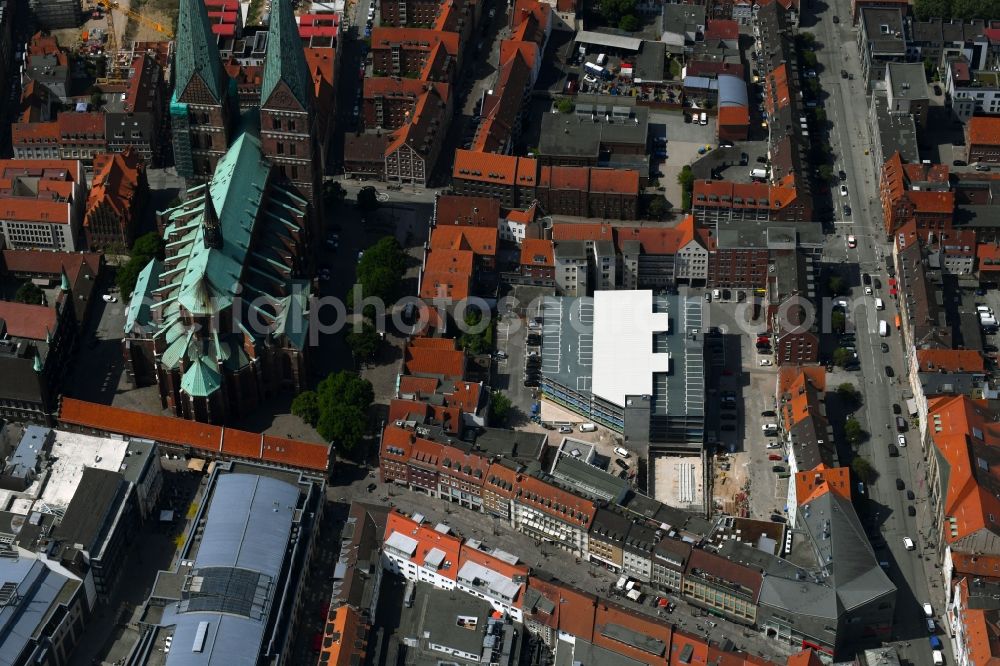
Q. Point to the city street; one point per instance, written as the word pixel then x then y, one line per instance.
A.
pixel 884 511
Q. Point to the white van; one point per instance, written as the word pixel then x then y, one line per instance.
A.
pixel 621 452
pixel 704 118
pixel 908 543
pixel 983 309
pixel 588 427
pixel 602 58
pixel 883 328
pixel 937 657
pixel 879 304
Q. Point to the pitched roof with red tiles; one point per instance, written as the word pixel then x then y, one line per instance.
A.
pixel 427 539
pixel 466 211
pixel 968 438
pixel 447 274
pixel 466 466
pixel 435 361
pixel 745 576
pixel 420 386
pixel 537 252
pixel 320 62
pixel 481 241
pixel 420 39
pixel 813 484
pixel 983 131
pixel 344 637
pixel 657 634
pixel 208 439
pixel 465 396
pixel 738 116
pixel 48 262
pixel 572 611
pixel 950 360
pixel 722 29
pixel 989 256
pixel 556 502
pixel 116 185
pixel 659 240
pixel 73 124
pixel 698 67
pixel 34 133
pixel 503 567
pixel 614 181
pixel 31 322
pixel 494 168
pixel 585 231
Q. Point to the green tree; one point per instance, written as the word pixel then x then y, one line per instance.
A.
pixel 820 116
pixel 380 270
pixel 306 407
pixel 364 343
pixel 565 105
pixel 657 209
pixel 29 293
pixel 146 247
pixel 612 11
pixel 338 408
pixel 685 178
pixel 842 356
pixel 863 469
pixel 476 343
pixel 367 199
pixel 825 172
pixel 809 59
pixel 836 285
pixel 96 100
pixel 629 23
pixel 849 394
pixel 499 408
pixel 837 321
pixel 928 9
pixel 333 193
pixel 854 432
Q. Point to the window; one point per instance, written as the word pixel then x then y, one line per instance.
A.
pixel 291 149
pixel 280 148
pixel 275 123
pixel 295 173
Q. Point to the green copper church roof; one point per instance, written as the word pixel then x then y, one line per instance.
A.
pixel 138 305
pixel 285 59
pixel 201 379
pixel 197 51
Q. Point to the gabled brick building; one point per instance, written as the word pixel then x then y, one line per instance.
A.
pixel 118 193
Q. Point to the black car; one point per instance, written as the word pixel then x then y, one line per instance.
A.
pixel 889 372
pixel 876 283
pixel 843 73
pixel 910 511
pixel 836 19
pixel 847 210
pixel 744 159
pixel 778 518
pixel 530 383
pixel 842 175
pixel 866 279
pixel 885 347
pixel 371 487
pixel 896 409
pixel 910 495
pixel 762 159
pixel 959 163
pixel 769 412
pixel 726 294
pixel 893 451
pixel 900 485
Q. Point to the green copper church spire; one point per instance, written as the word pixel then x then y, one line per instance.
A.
pixel 286 58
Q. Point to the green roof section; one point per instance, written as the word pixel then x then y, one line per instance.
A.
pixel 286 58
pixel 138 306
pixel 201 379
pixel 197 51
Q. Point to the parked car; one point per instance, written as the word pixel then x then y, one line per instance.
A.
pixel 843 190
pixel 889 372
pixel 885 347
pixel 900 485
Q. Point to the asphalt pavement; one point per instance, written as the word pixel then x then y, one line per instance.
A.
pixel 914 572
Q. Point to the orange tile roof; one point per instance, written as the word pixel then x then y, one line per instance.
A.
pixel 117 182
pixel 614 181
pixel 982 635
pixel 502 567
pixel 585 231
pixel 734 115
pixel 659 240
pixel 989 256
pixel 343 638
pixel 556 502
pixel 984 130
pixel 573 610
pixel 433 343
pixel 205 438
pixel 790 376
pixel 932 202
pixel 74 123
pixel 813 484
pixel 434 361
pixel 422 39
pixel 567 178
pixel 465 396
pixel 698 654
pixel 481 241
pixel 950 360
pixel 805 658
pixel 467 211
pixel 447 274
pixel 418 385
pixel 501 480
pixel 525 216
pixel 35 132
pixel 32 322
pixel 967 436
pixel 537 252
pixel 495 168
pixel 610 614
pixel 51 263
pixel 427 539
pixel 320 62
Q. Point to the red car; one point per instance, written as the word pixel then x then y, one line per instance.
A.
pixel 774 456
pixel 892 282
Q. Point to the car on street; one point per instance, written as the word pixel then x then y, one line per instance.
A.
pixel 908 543
pixel 565 429
pixel 896 409
pixel 371 487
pixel 842 175
pixel 868 291
pixel 843 73
pixel 769 412
pixel 765 362
pixel 959 163
pixel 108 298
pixel 901 440
pixel 889 372
pixel 847 210
pixel 885 347
pixel 774 445
pixel 900 485
pixel 910 511
pixel 361 253
pixel 910 495
pixel 774 456
pixel 836 19
pixel 852 242
pixel 843 190
pixel 500 355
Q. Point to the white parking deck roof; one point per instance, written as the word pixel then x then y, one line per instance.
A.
pixel 624 360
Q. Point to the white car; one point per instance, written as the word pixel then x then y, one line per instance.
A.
pixel 843 190
pixel 928 610
pixel 901 440
pixel 852 242
pixel 868 291
pixel 774 445
pixel 768 427
pixel 108 298
pixel 908 543
pixel 765 361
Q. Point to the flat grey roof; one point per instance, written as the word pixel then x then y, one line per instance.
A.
pixel 897 132
pixel 907 80
pixel 568 341
pixel 589 480
pixel 582 134
pixel 650 64
pixel 611 41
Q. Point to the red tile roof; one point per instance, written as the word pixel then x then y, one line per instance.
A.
pixel 420 39
pixel 481 241
pixel 447 274
pixel 722 29
pixel 556 502
pixel 117 184
pixel 427 539
pixel 734 115
pixel 537 252
pixel 494 168
pixel 585 231
pixel 950 360
pixel 47 262
pixel 206 439
pixel 812 484
pixel 467 211
pixel 614 181
pixel 421 359
pixel 984 130
pixel 33 322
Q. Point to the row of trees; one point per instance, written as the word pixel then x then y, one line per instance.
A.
pixel 957 9
pixel 619 13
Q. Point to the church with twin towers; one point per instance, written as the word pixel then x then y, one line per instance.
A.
pixel 205 110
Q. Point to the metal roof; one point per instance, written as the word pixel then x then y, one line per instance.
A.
pixel 197 51
pixel 611 41
pixel 732 91
pixel 29 591
pixel 285 60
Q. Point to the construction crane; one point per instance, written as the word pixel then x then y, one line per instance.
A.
pixel 111 49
